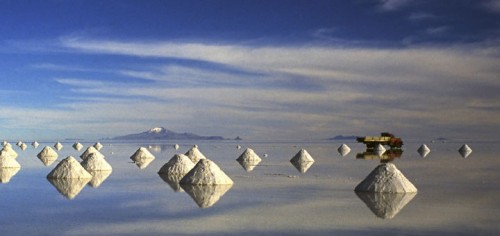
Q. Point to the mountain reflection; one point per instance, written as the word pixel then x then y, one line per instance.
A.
pixel 206 195
pixel 385 205
pixel 69 188
pixel 7 173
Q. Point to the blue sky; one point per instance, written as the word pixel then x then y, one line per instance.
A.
pixel 257 69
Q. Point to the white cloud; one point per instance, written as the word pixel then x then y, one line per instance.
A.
pixel 392 5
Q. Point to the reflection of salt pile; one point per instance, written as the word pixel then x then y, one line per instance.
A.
pixel 379 149
pixel 69 188
pixel 465 150
pixel 302 161
pixel 206 195
pixel 344 149
pixel 142 157
pixel 386 178
pixel 7 148
pixel 206 172
pixel 194 154
pixel 89 151
pixel 95 162
pixel 7 173
pixel 58 146
pixel 423 150
pixel 98 146
pixel 98 177
pixel 69 168
pixel 249 159
pixel 77 146
pixel 173 181
pixel 47 156
pixel 35 144
pixel 385 205
pixel 178 165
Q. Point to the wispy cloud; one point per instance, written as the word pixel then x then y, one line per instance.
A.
pixel 393 5
pixel 492 5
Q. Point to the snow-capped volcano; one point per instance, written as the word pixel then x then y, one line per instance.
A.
pixel 161 133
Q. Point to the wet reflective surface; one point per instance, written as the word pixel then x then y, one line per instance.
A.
pixel 456 195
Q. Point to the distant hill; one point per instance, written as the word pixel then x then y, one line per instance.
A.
pixel 342 137
pixel 160 133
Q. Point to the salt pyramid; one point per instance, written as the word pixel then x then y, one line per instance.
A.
pixel 69 168
pixel 142 157
pixel 35 144
pixel 302 156
pixel 176 146
pixel 7 173
pixel 206 195
pixel 386 178
pixel 423 150
pixel 238 147
pixel 249 156
pixel 385 205
pixel 23 146
pixel 194 154
pixel 98 177
pixel 7 160
pixel 9 151
pixel 302 167
pixel 47 152
pixel 4 143
pixel 94 162
pixel 69 188
pixel 19 143
pixel 98 146
pixel 58 146
pixel 89 151
pixel 465 150
pixel 379 149
pixel 179 165
pixel 344 149
pixel 77 146
pixel 206 172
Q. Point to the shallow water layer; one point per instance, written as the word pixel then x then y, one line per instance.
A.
pixel 456 195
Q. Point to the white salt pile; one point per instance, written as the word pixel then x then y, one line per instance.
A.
pixel 47 156
pixel 344 149
pixel 302 167
pixel 386 178
pixel 98 146
pixel 77 146
pixel 465 150
pixel 19 143
pixel 379 149
pixel 95 162
pixel 194 154
pixel 142 157
pixel 7 160
pixel 23 146
pixel 238 147
pixel 249 155
pixel 178 165
pixel 176 146
pixel 69 188
pixel 7 173
pixel 89 151
pixel 69 168
pixel 206 195
pixel 302 156
pixel 35 144
pixel 4 143
pixel 206 172
pixel 58 146
pixel 9 151
pixel 385 205
pixel 423 150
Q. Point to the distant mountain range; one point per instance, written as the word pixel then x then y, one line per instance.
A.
pixel 342 137
pixel 160 133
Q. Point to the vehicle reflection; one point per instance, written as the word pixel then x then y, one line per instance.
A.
pixel 388 156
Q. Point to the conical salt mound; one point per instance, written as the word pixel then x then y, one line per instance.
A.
pixel 142 153
pixel 179 165
pixel 379 149
pixel 95 162
pixel 206 195
pixel 194 154
pixel 69 188
pixel 423 150
pixel 19 143
pixel 35 144
pixel 47 152
pixel 9 151
pixel 69 168
pixel 206 172
pixel 465 150
pixel 344 149
pixel 7 161
pixel 77 146
pixel 4 143
pixel 7 173
pixel 302 156
pixel 386 178
pixel 23 146
pixel 249 156
pixel 386 205
pixel 58 146
pixel 89 151
pixel 302 167
pixel 176 146
pixel 98 146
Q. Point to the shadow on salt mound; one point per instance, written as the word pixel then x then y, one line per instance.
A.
pixel 423 150
pixel 385 205
pixel 69 188
pixel 98 177
pixel 7 173
pixel 206 195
